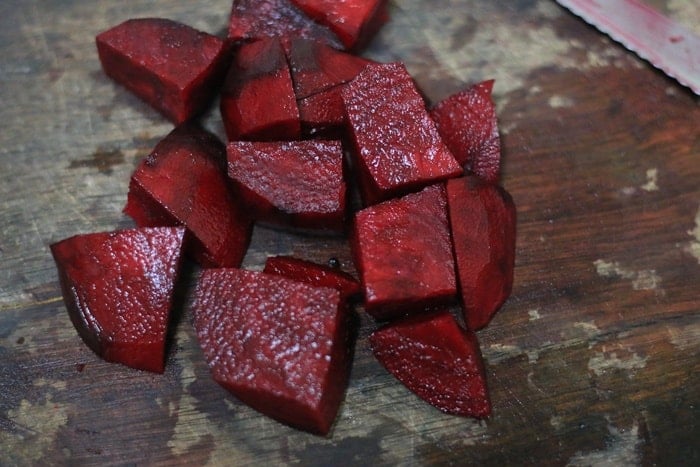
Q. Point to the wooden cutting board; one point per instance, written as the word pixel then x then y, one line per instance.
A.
pixel 595 358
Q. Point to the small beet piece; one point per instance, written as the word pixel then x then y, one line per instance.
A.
pixel 354 21
pixel 258 101
pixel 437 360
pixel 403 251
pixel 173 67
pixel 278 345
pixel 183 182
pixel 118 287
pixel 468 125
pixel 315 274
pixel 296 184
pixel 397 146
pixel 256 19
pixel 482 220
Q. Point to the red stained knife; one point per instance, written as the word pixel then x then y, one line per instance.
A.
pixel 667 45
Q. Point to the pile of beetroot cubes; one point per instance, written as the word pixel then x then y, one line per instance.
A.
pixel 303 117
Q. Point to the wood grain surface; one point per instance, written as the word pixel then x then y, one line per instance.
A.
pixel 594 359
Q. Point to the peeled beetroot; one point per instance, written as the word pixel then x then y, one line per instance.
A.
pixel 297 184
pixel 314 274
pixel 258 101
pixel 468 125
pixel 278 345
pixel 183 182
pixel 437 360
pixel 118 287
pixel 403 252
pixel 397 147
pixel 482 220
pixel 173 67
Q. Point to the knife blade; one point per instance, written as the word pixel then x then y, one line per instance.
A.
pixel 664 43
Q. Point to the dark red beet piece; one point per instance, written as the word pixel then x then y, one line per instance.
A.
pixel 256 19
pixel 258 101
pixel 315 274
pixel 468 125
pixel 118 287
pixel 183 182
pixel 297 184
pixel 397 147
pixel 482 219
pixel 437 360
pixel 403 251
pixel 323 113
pixel 278 345
pixel 173 67
pixel 354 21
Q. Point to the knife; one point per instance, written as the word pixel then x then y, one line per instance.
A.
pixel 664 43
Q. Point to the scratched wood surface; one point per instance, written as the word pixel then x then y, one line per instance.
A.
pixel 594 359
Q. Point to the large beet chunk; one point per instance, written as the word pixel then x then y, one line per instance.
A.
pixel 468 125
pixel 297 184
pixel 437 360
pixel 403 252
pixel 118 287
pixel 258 101
pixel 482 219
pixel 397 146
pixel 171 66
pixel 278 345
pixel 183 182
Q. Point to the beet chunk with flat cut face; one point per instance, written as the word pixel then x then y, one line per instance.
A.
pixel 403 251
pixel 258 101
pixel 256 19
pixel 437 360
pixel 183 182
pixel 468 125
pixel 173 67
pixel 315 274
pixel 297 184
pixel 118 287
pixel 280 346
pixel 397 146
pixel 482 220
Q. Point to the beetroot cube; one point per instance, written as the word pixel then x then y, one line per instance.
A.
pixel 354 21
pixel 296 184
pixel 118 287
pixel 398 148
pixel 482 219
pixel 437 360
pixel 323 113
pixel 173 67
pixel 403 251
pixel 278 345
pixel 315 274
pixel 258 101
pixel 183 182
pixel 467 123
pixel 256 19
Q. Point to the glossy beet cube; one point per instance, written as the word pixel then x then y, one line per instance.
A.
pixel 297 184
pixel 315 274
pixel 468 125
pixel 323 114
pixel 354 21
pixel 256 19
pixel 183 182
pixel 258 101
pixel 482 219
pixel 403 252
pixel 437 360
pixel 118 288
pixel 173 67
pixel 397 147
pixel 278 345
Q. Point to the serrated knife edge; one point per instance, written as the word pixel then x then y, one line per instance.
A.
pixel 667 45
